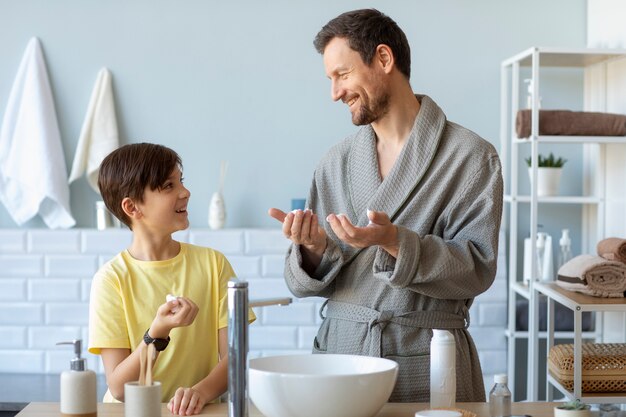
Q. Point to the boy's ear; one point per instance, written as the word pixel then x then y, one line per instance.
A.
pixel 130 208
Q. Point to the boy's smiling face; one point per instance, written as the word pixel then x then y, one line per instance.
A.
pixel 165 209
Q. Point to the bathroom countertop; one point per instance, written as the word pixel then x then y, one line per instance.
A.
pixel 17 390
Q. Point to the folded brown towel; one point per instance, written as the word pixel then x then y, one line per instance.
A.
pixel 572 123
pixel 612 249
pixel 593 275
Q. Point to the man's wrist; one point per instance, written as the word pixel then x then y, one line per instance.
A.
pixel 156 332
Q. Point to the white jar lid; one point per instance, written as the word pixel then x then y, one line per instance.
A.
pixel 438 413
pixel 500 379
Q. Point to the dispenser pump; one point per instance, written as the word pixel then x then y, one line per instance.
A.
pixel 77 363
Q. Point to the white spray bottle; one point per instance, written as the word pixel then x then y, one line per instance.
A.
pixel 78 386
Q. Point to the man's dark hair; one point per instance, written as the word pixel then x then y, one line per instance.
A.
pixel 128 170
pixel 365 29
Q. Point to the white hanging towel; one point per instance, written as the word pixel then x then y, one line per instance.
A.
pixel 98 136
pixel 32 165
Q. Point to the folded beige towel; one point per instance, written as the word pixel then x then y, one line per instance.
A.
pixel 612 249
pixel 593 275
pixel 572 123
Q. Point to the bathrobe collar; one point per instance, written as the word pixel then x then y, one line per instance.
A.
pixel 367 191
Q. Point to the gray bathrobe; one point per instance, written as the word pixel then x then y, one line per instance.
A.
pixel 445 195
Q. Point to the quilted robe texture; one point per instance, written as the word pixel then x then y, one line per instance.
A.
pixel 445 195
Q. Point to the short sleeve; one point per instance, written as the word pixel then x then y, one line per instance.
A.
pixel 225 274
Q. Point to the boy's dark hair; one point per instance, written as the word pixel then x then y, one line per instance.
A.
pixel 365 29
pixel 128 170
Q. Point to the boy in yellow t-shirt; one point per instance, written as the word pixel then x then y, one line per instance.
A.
pixel 142 185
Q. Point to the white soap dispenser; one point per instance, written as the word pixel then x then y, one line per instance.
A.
pixel 78 386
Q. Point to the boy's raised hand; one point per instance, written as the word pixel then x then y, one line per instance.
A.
pixel 180 312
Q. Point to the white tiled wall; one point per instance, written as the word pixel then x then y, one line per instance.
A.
pixel 45 278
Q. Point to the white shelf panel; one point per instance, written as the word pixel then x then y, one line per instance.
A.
pixel 564 199
pixel 580 302
pixel 557 335
pixel 591 398
pixel 573 139
pixel 565 57
pixel 521 289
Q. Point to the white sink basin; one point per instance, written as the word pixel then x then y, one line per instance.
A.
pixel 321 385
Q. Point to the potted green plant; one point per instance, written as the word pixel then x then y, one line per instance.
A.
pixel 574 408
pixel 548 174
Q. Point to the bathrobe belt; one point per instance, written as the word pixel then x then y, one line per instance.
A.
pixel 378 320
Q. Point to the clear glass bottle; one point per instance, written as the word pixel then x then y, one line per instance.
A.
pixel 500 397
pixel 565 243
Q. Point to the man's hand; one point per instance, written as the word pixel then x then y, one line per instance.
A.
pixel 176 313
pixel 302 228
pixel 380 231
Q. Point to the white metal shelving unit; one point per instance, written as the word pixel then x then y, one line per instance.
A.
pixel 578 303
pixel 534 58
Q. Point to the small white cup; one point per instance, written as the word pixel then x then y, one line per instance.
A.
pixel 142 400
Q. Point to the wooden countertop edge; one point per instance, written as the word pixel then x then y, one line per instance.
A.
pixel 539 409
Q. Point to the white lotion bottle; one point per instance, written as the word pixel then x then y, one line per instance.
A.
pixel 78 386
pixel 442 370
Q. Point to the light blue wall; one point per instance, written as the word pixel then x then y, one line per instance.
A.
pixel 239 80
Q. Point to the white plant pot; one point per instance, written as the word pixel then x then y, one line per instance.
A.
pixel 548 180
pixel 559 412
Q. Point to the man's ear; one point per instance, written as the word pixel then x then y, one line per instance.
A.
pixel 384 57
pixel 130 208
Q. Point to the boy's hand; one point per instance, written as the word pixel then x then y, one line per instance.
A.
pixel 180 312
pixel 186 401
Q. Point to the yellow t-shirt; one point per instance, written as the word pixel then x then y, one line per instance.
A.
pixel 126 293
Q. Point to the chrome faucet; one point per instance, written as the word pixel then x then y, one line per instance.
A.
pixel 238 343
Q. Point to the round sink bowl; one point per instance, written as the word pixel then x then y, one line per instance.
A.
pixel 321 385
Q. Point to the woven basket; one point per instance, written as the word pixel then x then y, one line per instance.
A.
pixel 603 366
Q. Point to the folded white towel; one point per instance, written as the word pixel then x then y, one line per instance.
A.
pixel 32 166
pixel 98 136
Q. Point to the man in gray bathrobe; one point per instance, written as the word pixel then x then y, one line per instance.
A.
pixel 402 229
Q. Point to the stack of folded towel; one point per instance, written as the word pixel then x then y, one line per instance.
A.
pixel 572 123
pixel 600 276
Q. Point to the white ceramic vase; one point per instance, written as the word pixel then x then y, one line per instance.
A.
pixel 548 180
pixel 217 211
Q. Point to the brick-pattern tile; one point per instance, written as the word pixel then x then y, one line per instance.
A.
pixel 71 265
pixel 246 266
pixel 12 241
pixel 45 280
pixel 492 314
pixel 273 337
pixel 229 242
pixel 21 313
pixel 265 242
pixel 67 313
pixel 107 241
pixel 295 314
pixel 12 289
pixel 21 265
pixel 23 361
pixel 12 337
pixel 51 289
pixel 273 265
pixel 46 338
pixel 53 241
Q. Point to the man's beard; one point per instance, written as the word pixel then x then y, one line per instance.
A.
pixel 369 114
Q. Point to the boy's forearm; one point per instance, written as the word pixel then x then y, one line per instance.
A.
pixel 125 371
pixel 215 383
